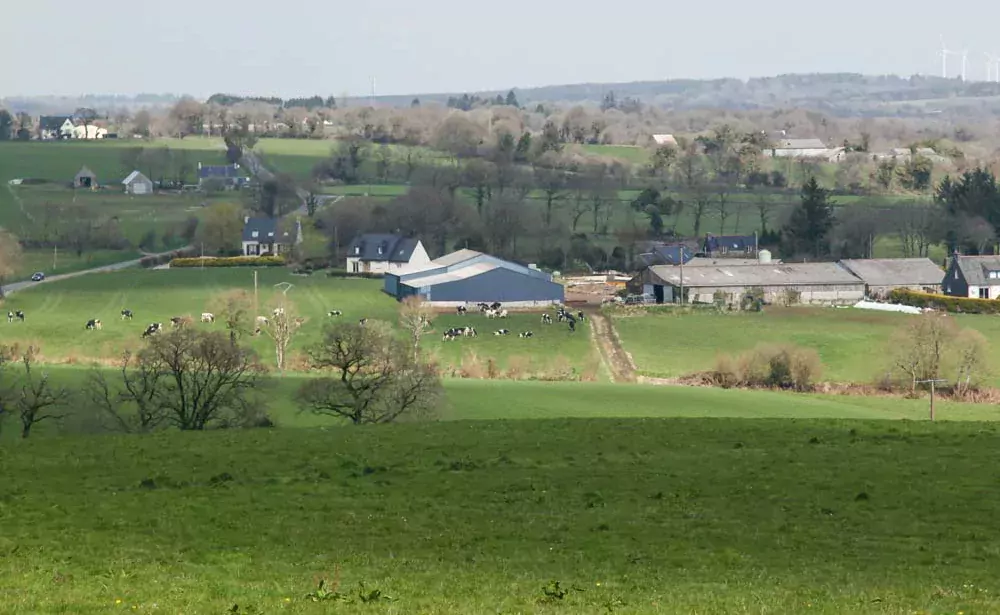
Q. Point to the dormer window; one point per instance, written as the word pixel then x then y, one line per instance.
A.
pixel 994 275
pixel 270 234
pixel 254 234
pixel 357 249
pixel 380 249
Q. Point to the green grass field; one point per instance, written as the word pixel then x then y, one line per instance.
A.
pixel 853 344
pixel 57 312
pixel 68 261
pixel 628 516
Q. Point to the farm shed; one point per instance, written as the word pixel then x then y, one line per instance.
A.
pixel 85 178
pixel 883 275
pixel 977 277
pixel 808 283
pixel 137 183
pixel 467 276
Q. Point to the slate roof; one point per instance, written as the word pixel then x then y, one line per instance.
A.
pixel 395 248
pixel 666 255
pixel 52 122
pixel 739 243
pixel 798 274
pixel 975 269
pixel 227 171
pixel 895 271
pixel 268 230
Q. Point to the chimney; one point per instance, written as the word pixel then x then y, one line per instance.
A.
pixel 199 165
pixel 246 219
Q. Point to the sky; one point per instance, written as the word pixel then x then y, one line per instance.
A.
pixel 305 47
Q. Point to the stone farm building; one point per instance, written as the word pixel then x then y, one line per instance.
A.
pixel 977 277
pixel 375 253
pixel 468 277
pixel 883 275
pixel 137 183
pixel 806 283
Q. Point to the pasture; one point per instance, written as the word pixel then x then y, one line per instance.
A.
pixel 57 312
pixel 631 516
pixel 853 344
pixel 67 261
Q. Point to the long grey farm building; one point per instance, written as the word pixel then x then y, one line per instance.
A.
pixel 467 276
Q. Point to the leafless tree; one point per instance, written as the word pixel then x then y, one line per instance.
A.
pixel 281 327
pixel 971 352
pixel 235 308
pixel 415 318
pixel 38 399
pixel 920 348
pixel 370 377
pixel 134 406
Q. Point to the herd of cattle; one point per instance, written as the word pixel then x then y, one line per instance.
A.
pixel 495 310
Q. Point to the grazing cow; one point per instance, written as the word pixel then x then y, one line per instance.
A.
pixel 580 315
pixel 572 326
pixel 19 315
pixel 526 334
pixel 10 316
pixel 448 337
pixel 495 305
pixel 262 321
pixel 176 321
pixel 502 332
pixel 93 324
pixel 207 317
pixel 278 312
pixel 363 321
pixel 154 327
pixel 470 332
pixel 502 314
pixel 126 314
pixel 546 319
pixel 334 313
pixel 490 313
pixel 462 310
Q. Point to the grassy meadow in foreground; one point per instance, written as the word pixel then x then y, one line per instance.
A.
pixel 853 344
pixel 631 516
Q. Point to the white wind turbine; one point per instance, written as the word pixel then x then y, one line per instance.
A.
pixel 965 57
pixel 944 59
pixel 991 60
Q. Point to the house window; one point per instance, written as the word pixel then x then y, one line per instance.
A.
pixel 956 274
pixel 254 234
pixel 357 250
pixel 380 250
pixel 994 275
pixel 984 292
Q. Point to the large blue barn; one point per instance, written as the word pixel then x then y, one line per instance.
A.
pixel 468 276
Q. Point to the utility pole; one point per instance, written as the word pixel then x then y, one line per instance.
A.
pixel 256 311
pixel 932 383
pixel 55 256
pixel 682 275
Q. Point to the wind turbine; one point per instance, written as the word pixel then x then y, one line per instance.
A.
pixel 944 59
pixel 965 56
pixel 991 59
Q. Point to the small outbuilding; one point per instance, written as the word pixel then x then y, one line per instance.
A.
pixel 468 276
pixel 136 183
pixel 804 283
pixel 883 275
pixel 85 178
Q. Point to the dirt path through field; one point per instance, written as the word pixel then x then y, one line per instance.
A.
pixel 618 362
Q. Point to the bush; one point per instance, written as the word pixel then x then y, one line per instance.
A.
pixel 230 261
pixel 769 366
pixel 962 305
pixel 161 259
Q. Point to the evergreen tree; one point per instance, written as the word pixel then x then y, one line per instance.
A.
pixel 810 223
pixel 512 99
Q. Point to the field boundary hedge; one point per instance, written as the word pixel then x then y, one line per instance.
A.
pixel 959 305
pixel 229 261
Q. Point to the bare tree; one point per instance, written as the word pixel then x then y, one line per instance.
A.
pixel 415 317
pixel 372 377
pixel 919 349
pixel 134 407
pixel 971 360
pixel 282 325
pixel 38 399
pixel 236 310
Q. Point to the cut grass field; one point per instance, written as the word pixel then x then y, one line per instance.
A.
pixel 57 312
pixel 853 344
pixel 67 261
pixel 631 516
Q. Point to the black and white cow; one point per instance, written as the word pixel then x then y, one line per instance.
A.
pixel 526 334
pixel 572 325
pixel 502 332
pixel 207 317
pixel 152 329
pixel 462 310
pixel 126 314
pixel 19 315
pixel 495 305
pixel 471 332
pixel 93 324
pixel 334 313
pixel 363 321
pixel 580 315
pixel 10 316
pixel 546 319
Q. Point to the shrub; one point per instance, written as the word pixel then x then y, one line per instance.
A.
pixel 230 261
pixel 161 259
pixel 963 305
pixel 770 366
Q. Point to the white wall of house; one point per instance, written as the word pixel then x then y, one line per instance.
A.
pixel 356 265
pixel 984 292
pixel 255 248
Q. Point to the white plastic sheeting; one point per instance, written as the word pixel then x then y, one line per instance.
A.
pixel 888 307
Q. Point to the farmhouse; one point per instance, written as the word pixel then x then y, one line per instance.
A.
pixel 666 255
pixel 137 183
pixel 269 237
pixel 977 277
pixel 55 127
pixel 883 275
pixel 226 175
pixel 85 178
pixel 467 276
pixel 730 246
pixel 374 253
pixel 808 283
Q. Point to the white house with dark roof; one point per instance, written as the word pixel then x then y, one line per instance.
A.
pixel 269 237
pixel 382 253
pixel 55 127
pixel 228 176
pixel 977 277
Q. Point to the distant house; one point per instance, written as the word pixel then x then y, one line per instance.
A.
pixel 799 148
pixel 228 176
pixel 666 255
pixel 269 237
pixel 884 275
pixel 730 246
pixel 85 178
pixel 375 253
pixel 137 183
pixel 977 277
pixel 89 132
pixel 55 127
pixel 664 139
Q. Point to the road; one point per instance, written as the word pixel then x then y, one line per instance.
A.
pixel 262 173
pixel 16 286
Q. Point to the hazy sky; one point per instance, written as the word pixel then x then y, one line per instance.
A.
pixel 304 47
